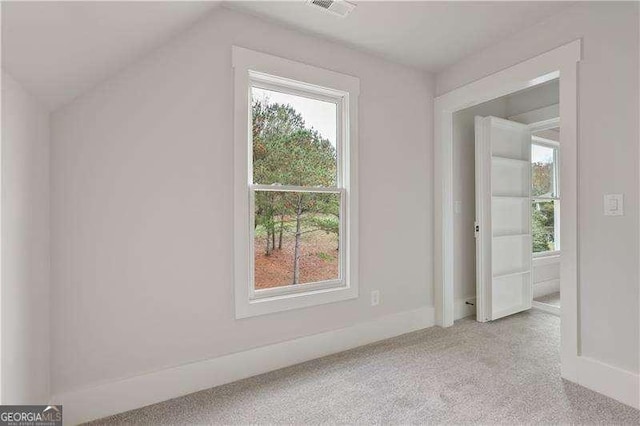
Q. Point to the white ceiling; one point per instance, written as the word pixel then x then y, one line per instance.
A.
pixel 58 50
pixel 427 34
pixel 553 134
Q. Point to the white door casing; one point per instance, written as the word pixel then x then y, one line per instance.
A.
pixel 560 62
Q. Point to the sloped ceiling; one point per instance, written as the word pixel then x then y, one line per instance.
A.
pixel 427 34
pixel 58 50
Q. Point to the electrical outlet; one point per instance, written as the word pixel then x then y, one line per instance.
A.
pixel 613 205
pixel 375 298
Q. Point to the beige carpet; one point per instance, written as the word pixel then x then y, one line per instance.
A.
pixel 503 372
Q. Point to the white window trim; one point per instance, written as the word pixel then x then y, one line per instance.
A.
pixel 269 70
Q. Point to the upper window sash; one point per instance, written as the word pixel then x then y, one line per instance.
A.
pixel 555 183
pixel 297 88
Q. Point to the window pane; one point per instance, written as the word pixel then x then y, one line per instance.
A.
pixel 296 238
pixel 294 139
pixel 542 159
pixel 543 226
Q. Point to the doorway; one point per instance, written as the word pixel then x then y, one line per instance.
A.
pixel 507 203
pixel 560 63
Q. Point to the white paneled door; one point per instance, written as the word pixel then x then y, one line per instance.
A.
pixel 503 218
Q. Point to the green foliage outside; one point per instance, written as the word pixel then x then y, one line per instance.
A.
pixel 324 256
pixel 542 179
pixel 542 222
pixel 542 226
pixel 286 152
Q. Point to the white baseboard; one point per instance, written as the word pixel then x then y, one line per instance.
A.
pixel 621 385
pixel 546 287
pixel 134 392
pixel 546 308
pixel 461 309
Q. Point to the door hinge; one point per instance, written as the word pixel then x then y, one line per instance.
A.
pixel 476 230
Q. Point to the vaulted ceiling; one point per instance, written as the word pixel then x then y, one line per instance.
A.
pixel 58 50
pixel 427 34
pixel 79 44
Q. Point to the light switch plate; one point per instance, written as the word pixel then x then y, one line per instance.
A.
pixel 613 205
pixel 457 207
pixel 375 298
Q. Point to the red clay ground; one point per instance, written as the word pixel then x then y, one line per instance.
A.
pixel 318 261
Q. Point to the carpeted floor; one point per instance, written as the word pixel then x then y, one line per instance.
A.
pixel 550 299
pixel 506 372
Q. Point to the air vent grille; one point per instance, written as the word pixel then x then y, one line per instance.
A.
pixel 325 4
pixel 339 8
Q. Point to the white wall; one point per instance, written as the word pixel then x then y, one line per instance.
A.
pixel 546 275
pixel 608 161
pixel 142 218
pixel 25 247
pixel 464 192
pixel 533 98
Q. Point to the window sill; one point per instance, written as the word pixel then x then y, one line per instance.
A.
pixel 289 301
pixel 546 258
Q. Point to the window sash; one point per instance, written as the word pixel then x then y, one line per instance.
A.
pixel 296 88
pixel 556 227
pixel 555 183
pixel 254 293
pixel 553 197
pixel 340 99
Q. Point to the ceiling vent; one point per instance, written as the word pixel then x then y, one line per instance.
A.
pixel 339 8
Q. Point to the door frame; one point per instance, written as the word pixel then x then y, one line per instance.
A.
pixel 561 63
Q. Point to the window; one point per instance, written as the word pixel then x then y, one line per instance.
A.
pixel 295 189
pixel 545 196
pixel 296 233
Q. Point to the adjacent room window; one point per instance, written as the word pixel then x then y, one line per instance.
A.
pixel 546 196
pixel 295 245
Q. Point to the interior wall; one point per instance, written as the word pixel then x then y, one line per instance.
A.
pixel 608 161
pixel 546 276
pixel 464 277
pixel 533 98
pixel 25 247
pixel 142 213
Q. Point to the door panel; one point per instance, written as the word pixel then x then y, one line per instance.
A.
pixel 503 218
